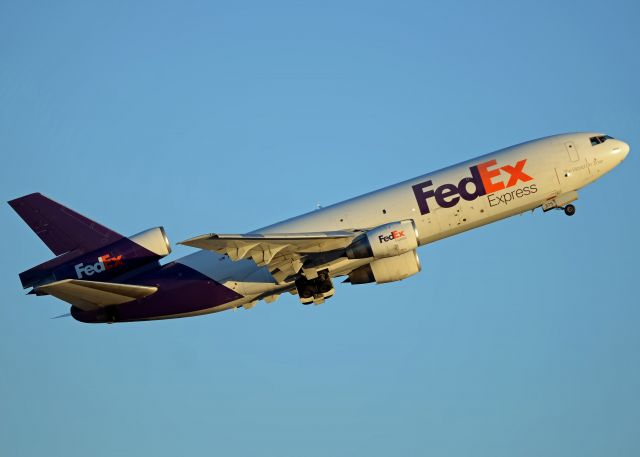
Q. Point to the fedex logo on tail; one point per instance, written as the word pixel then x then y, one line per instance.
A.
pixel 485 179
pixel 105 262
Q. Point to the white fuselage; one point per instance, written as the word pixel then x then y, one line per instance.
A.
pixel 441 204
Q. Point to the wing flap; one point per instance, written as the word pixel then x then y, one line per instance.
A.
pixel 271 248
pixel 91 295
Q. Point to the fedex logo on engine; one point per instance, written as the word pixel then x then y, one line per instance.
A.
pixel 485 179
pixel 104 263
pixel 394 235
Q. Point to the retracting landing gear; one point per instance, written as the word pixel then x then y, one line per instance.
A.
pixel 315 290
pixel 562 202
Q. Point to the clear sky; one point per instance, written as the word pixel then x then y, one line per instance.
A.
pixel 521 338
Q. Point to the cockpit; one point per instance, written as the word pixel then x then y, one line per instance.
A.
pixel 596 140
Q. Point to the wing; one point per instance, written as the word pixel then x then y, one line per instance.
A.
pixel 283 253
pixel 90 295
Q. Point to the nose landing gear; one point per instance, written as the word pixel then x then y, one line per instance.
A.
pixel 562 202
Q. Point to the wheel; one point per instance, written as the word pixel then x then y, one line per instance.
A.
pixel 569 210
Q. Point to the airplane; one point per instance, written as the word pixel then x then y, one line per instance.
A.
pixel 372 238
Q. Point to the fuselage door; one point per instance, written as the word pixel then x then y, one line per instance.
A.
pixel 572 151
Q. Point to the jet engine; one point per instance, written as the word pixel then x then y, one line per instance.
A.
pixel 384 241
pixel 388 269
pixel 154 240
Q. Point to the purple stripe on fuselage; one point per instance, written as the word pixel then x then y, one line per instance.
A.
pixel 181 290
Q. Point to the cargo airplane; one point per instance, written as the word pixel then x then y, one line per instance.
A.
pixel 373 238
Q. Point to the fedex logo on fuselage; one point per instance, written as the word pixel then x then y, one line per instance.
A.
pixel 105 262
pixel 394 235
pixel 484 180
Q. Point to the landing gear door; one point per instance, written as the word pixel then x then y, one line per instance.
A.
pixel 572 151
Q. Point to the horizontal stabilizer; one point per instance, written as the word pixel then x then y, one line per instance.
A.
pixel 91 295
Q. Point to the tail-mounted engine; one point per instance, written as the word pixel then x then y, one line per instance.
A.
pixel 387 240
pixel 153 240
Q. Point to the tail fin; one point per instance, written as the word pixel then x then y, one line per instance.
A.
pixel 60 228
pixel 84 249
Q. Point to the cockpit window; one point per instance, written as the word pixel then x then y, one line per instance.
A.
pixel 595 140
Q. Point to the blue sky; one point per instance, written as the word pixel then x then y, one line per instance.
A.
pixel 519 338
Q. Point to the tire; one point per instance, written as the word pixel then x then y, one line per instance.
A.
pixel 569 210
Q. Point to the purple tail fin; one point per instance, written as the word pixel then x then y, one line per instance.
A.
pixel 60 228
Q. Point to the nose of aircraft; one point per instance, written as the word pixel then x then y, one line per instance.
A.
pixel 621 149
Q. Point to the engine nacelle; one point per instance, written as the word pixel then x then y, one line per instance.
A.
pixel 388 240
pixel 388 269
pixel 154 240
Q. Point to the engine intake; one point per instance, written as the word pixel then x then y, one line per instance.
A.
pixel 387 240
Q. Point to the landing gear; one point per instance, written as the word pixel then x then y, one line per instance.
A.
pixel 315 290
pixel 562 202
